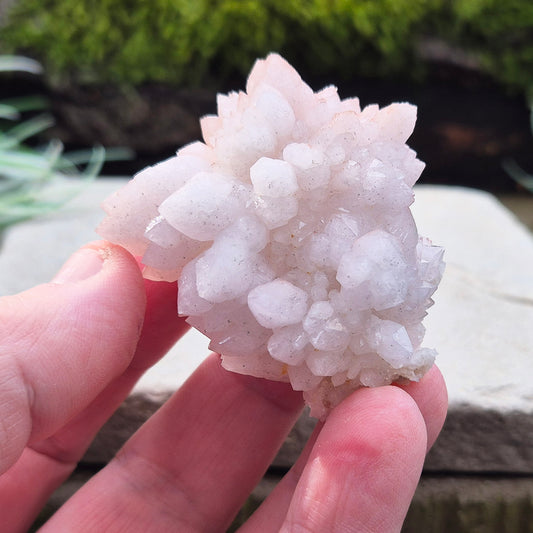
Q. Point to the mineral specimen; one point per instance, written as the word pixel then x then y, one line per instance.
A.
pixel 290 235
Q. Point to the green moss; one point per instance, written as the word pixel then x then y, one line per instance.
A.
pixel 499 33
pixel 193 42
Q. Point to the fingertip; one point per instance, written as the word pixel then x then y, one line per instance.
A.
pixel 431 396
pixel 369 454
pixel 385 419
pixel 94 258
pixel 106 291
pixel 162 326
pixel 69 338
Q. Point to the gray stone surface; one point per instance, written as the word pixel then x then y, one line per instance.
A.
pixel 32 252
pixel 454 504
pixel 485 302
pixel 521 205
pixel 451 504
pixel 480 324
pixel 471 505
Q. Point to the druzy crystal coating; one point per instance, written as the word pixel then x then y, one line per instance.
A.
pixel 289 233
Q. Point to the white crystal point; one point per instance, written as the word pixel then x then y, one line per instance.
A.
pixel 277 303
pixel 325 330
pixel 310 164
pixel 273 178
pixel 287 344
pixel 390 341
pixel 376 270
pixel 290 235
pixel 203 206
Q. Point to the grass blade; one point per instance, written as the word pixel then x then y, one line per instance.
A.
pixel 9 112
pixel 27 129
pixel 518 174
pixel 12 63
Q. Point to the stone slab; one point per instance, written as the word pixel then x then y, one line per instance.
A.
pixel 471 504
pixel 480 324
pixel 521 204
pixel 441 504
pixel 32 252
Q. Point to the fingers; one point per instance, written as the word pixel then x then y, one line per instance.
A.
pixel 364 467
pixel 161 329
pixel 431 396
pixel 272 512
pixel 71 348
pixel 162 326
pixel 190 467
pixel 26 487
pixel 50 461
pixel 60 344
pixel 431 400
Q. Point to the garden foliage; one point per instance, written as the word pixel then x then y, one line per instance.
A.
pixel 200 42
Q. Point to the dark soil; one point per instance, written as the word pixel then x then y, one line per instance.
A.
pixel 467 124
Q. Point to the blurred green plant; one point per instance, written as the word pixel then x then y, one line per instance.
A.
pixel 499 34
pixel 200 42
pixel 191 42
pixel 515 171
pixel 35 181
pixel 10 109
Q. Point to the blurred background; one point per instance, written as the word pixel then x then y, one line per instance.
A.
pixel 138 74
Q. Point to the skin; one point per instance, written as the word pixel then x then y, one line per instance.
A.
pixel 65 367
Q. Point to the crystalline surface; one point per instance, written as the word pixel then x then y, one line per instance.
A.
pixel 290 235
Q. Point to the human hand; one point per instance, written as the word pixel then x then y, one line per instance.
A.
pixel 71 351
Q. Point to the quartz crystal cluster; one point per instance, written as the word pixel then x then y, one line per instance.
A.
pixel 289 233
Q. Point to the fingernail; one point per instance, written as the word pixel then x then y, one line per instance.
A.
pixel 82 265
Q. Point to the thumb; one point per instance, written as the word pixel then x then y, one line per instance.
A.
pixel 61 343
